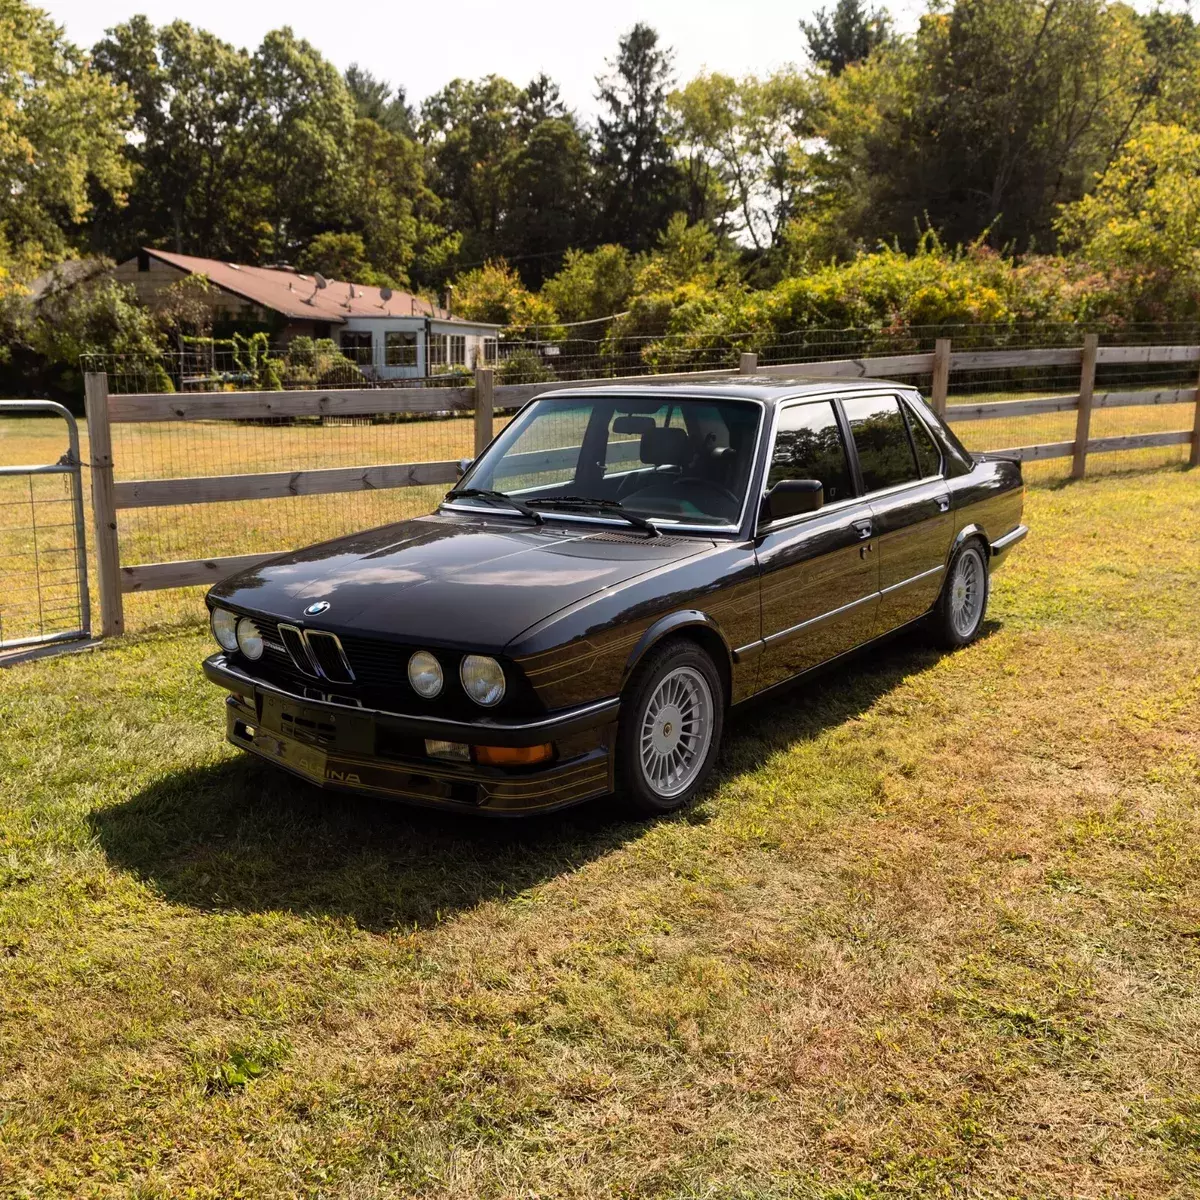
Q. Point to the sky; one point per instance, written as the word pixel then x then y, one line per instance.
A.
pixel 423 46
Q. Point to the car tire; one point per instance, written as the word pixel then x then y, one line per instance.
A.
pixel 962 606
pixel 672 717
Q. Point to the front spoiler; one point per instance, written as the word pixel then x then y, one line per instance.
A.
pixel 343 756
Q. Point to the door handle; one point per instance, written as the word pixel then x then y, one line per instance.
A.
pixel 943 504
pixel 864 528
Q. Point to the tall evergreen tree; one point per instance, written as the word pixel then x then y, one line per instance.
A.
pixel 378 101
pixel 847 35
pixel 640 184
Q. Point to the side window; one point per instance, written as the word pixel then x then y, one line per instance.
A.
pixel 881 438
pixel 808 445
pixel 929 457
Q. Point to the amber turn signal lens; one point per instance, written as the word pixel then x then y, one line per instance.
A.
pixel 512 756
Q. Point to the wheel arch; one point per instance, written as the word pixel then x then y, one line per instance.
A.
pixel 692 624
pixel 966 534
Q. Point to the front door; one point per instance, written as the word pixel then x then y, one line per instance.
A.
pixel 910 505
pixel 819 573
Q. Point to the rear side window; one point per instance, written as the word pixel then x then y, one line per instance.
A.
pixel 885 453
pixel 929 457
pixel 808 445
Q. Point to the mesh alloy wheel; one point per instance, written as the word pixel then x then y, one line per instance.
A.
pixel 676 731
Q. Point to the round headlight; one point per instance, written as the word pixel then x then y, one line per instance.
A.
pixel 249 639
pixel 425 674
pixel 224 627
pixel 482 679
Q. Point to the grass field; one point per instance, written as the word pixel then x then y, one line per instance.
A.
pixel 176 449
pixel 933 931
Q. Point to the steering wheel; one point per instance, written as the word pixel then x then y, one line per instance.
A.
pixel 698 481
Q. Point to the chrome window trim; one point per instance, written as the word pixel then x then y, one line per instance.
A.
pixel 914 414
pixel 665 522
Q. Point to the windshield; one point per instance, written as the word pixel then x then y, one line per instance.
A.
pixel 680 461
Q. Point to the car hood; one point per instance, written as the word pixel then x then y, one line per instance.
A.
pixel 449 580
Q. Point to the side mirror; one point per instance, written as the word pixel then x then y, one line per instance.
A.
pixel 463 464
pixel 791 497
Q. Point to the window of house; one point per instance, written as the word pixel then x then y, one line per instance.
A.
pixel 458 350
pixel 885 453
pixel 491 349
pixel 437 350
pixel 808 445
pixel 400 347
pixel 929 458
pixel 356 346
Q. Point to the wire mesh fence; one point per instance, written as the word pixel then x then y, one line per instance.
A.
pixel 201 448
pixel 42 587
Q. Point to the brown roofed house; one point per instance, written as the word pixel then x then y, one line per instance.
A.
pixel 389 334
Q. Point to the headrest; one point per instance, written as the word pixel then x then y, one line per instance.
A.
pixel 627 423
pixel 665 446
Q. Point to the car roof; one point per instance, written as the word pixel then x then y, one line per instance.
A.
pixel 769 389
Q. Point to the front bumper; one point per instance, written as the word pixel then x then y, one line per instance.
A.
pixel 367 750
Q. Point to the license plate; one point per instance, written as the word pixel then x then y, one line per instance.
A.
pixel 306 760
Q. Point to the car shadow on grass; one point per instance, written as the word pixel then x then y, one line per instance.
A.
pixel 241 836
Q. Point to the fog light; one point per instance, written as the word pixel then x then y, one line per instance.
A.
pixel 455 751
pixel 513 756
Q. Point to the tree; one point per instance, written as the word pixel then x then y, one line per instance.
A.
pixel 495 293
pixel 847 35
pixel 639 183
pixel 513 167
pixel 1145 209
pixel 592 284
pixel 379 102
pixel 300 129
pixel 749 134
pixel 62 129
pixel 193 190
pixel 989 117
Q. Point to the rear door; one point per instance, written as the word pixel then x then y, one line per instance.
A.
pixel 819 574
pixel 901 472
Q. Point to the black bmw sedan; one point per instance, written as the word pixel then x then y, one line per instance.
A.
pixel 619 567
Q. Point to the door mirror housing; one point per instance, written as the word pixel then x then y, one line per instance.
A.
pixel 792 497
pixel 463 464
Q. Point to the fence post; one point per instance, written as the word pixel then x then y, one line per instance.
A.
pixel 484 396
pixel 1194 457
pixel 1083 419
pixel 104 509
pixel 941 375
pixel 748 364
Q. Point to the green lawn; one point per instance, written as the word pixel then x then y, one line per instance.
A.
pixel 934 931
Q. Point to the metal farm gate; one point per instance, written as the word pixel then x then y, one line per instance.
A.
pixel 43 552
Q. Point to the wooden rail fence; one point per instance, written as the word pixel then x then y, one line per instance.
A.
pixel 109 496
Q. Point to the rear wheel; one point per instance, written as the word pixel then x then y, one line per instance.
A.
pixel 962 607
pixel 670 730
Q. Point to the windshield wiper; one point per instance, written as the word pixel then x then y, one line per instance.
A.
pixel 474 493
pixel 613 507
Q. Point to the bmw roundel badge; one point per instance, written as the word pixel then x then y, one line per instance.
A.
pixel 315 610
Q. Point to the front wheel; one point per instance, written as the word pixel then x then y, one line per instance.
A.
pixel 670 729
pixel 959 615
